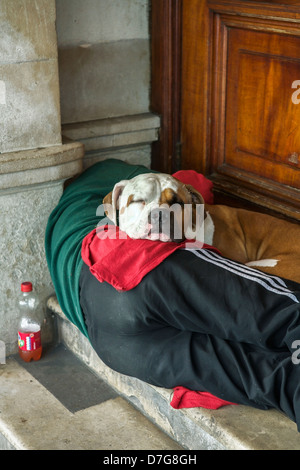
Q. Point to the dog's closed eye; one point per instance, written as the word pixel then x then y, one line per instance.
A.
pixel 131 200
pixel 138 201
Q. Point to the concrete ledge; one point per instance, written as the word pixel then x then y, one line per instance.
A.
pixel 114 132
pixel 229 428
pixel 42 165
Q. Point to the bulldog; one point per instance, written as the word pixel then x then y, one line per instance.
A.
pixel 157 206
pixel 154 206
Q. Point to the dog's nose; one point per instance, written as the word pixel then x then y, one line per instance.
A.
pixel 162 222
pixel 159 216
pixel 159 220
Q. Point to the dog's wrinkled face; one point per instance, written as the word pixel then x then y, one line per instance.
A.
pixel 154 206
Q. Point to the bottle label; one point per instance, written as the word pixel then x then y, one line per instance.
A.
pixel 29 341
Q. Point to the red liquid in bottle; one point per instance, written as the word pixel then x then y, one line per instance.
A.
pixel 29 331
pixel 30 347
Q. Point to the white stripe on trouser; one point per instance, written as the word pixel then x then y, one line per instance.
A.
pixel 271 283
pixel 273 280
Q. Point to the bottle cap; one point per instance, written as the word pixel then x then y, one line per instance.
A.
pixel 26 287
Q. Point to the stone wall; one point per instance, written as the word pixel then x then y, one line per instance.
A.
pixel 33 161
pixel 104 62
pixel 104 67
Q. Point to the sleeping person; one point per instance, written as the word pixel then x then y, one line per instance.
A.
pixel 171 314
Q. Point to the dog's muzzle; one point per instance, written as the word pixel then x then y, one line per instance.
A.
pixel 163 225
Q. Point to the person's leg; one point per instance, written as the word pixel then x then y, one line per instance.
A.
pixel 203 292
pixel 127 334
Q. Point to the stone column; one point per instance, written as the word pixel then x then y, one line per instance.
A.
pixel 33 161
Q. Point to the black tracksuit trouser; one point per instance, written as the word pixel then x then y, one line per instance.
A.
pixel 205 323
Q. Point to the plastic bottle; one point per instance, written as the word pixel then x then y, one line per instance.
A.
pixel 29 331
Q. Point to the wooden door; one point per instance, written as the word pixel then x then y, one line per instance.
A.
pixel 239 104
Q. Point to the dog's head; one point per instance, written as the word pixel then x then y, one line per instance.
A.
pixel 154 206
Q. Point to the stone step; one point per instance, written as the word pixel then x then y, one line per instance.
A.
pixel 58 403
pixel 229 428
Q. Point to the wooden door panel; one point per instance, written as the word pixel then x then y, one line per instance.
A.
pixel 254 132
pixel 262 122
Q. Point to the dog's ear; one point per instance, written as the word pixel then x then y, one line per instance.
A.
pixel 111 201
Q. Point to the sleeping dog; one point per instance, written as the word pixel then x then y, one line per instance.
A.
pixel 157 206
